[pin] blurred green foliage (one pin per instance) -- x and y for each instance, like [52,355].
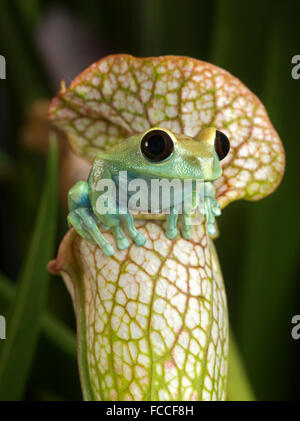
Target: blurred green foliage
[258,246]
[28,302]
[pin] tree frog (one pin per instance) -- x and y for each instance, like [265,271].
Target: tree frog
[156,155]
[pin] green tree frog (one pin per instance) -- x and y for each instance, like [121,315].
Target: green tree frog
[157,154]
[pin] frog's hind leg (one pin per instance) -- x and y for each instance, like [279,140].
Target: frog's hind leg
[76,221]
[78,196]
[84,223]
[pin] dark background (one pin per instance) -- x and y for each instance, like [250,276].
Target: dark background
[47,41]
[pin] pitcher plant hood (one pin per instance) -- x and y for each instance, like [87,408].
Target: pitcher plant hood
[121,95]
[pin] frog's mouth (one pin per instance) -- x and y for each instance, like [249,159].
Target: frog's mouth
[148,176]
[193,168]
[136,174]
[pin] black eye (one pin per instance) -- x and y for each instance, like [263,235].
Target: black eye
[157,145]
[222,145]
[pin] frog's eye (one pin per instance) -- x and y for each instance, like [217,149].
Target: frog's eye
[157,145]
[222,145]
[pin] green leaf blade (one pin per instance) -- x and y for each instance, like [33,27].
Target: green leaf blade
[24,318]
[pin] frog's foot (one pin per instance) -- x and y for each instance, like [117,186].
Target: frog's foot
[103,226]
[211,228]
[211,208]
[138,237]
[108,250]
[86,226]
[216,208]
[186,228]
[121,240]
[171,228]
[172,233]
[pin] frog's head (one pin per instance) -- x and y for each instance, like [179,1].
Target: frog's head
[160,153]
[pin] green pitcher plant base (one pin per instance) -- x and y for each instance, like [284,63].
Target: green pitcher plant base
[151,307]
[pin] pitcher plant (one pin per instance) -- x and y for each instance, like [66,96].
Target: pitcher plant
[150,304]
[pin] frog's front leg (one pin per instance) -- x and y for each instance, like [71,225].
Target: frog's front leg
[171,226]
[128,223]
[113,222]
[111,216]
[82,218]
[184,222]
[185,225]
[211,207]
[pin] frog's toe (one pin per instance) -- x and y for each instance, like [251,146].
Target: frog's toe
[187,233]
[211,229]
[123,243]
[171,233]
[108,250]
[216,209]
[140,239]
[104,227]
